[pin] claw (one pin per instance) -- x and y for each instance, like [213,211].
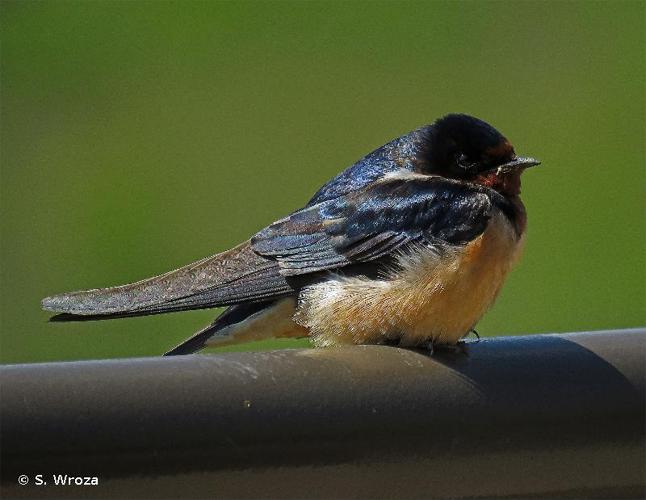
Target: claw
[459,348]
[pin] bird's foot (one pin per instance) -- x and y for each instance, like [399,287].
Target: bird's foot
[457,349]
[477,335]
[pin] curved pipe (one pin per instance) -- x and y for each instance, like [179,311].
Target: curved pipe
[536,415]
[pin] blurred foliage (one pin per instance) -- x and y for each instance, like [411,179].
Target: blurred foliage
[140,136]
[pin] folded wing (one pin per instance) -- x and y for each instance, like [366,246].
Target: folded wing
[375,221]
[355,228]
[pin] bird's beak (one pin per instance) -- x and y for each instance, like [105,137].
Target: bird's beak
[519,162]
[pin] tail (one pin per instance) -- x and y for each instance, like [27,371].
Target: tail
[247,323]
[235,276]
[230,316]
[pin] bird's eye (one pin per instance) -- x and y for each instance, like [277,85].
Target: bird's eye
[463,161]
[466,166]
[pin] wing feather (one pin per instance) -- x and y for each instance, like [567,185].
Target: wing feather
[375,221]
[237,275]
[344,232]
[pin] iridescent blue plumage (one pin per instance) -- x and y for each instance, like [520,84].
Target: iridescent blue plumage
[376,220]
[400,153]
[455,146]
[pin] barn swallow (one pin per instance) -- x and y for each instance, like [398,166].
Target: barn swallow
[410,245]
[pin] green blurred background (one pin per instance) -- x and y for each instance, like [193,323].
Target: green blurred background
[140,136]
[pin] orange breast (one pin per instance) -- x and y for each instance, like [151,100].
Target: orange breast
[428,298]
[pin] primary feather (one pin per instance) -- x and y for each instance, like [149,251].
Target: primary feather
[237,275]
[358,227]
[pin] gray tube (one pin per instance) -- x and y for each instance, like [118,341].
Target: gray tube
[513,416]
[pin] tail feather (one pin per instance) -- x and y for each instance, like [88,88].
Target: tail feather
[230,316]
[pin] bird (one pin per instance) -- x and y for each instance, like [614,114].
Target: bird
[409,246]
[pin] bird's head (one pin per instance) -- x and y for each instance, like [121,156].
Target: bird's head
[466,148]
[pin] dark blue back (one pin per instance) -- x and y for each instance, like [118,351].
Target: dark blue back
[397,154]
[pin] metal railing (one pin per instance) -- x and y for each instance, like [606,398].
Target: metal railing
[539,415]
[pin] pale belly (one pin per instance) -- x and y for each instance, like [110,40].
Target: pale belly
[427,299]
[431,298]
